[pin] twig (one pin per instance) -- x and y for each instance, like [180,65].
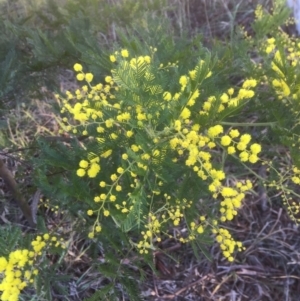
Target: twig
[9,180]
[34,204]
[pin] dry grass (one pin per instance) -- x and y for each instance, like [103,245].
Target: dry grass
[267,270]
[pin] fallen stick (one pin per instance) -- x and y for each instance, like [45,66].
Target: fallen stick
[12,186]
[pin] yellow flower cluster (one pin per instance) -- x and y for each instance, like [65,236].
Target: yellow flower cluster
[241,145]
[270,45]
[134,62]
[227,244]
[134,129]
[201,69]
[258,12]
[191,141]
[152,230]
[232,200]
[82,111]
[91,168]
[196,228]
[281,87]
[227,99]
[124,207]
[81,76]
[280,83]
[172,212]
[290,200]
[18,269]
[114,193]
[296,177]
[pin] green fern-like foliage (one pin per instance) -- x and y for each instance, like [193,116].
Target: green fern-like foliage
[141,87]
[10,237]
[161,181]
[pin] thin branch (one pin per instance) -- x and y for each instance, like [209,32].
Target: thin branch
[9,180]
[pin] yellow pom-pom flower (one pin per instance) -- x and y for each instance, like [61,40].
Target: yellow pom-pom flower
[225,140]
[112,58]
[89,77]
[124,53]
[93,170]
[114,177]
[255,148]
[80,172]
[244,156]
[124,156]
[245,138]
[77,67]
[234,133]
[253,158]
[98,228]
[83,164]
[112,198]
[129,134]
[167,96]
[80,77]
[186,113]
